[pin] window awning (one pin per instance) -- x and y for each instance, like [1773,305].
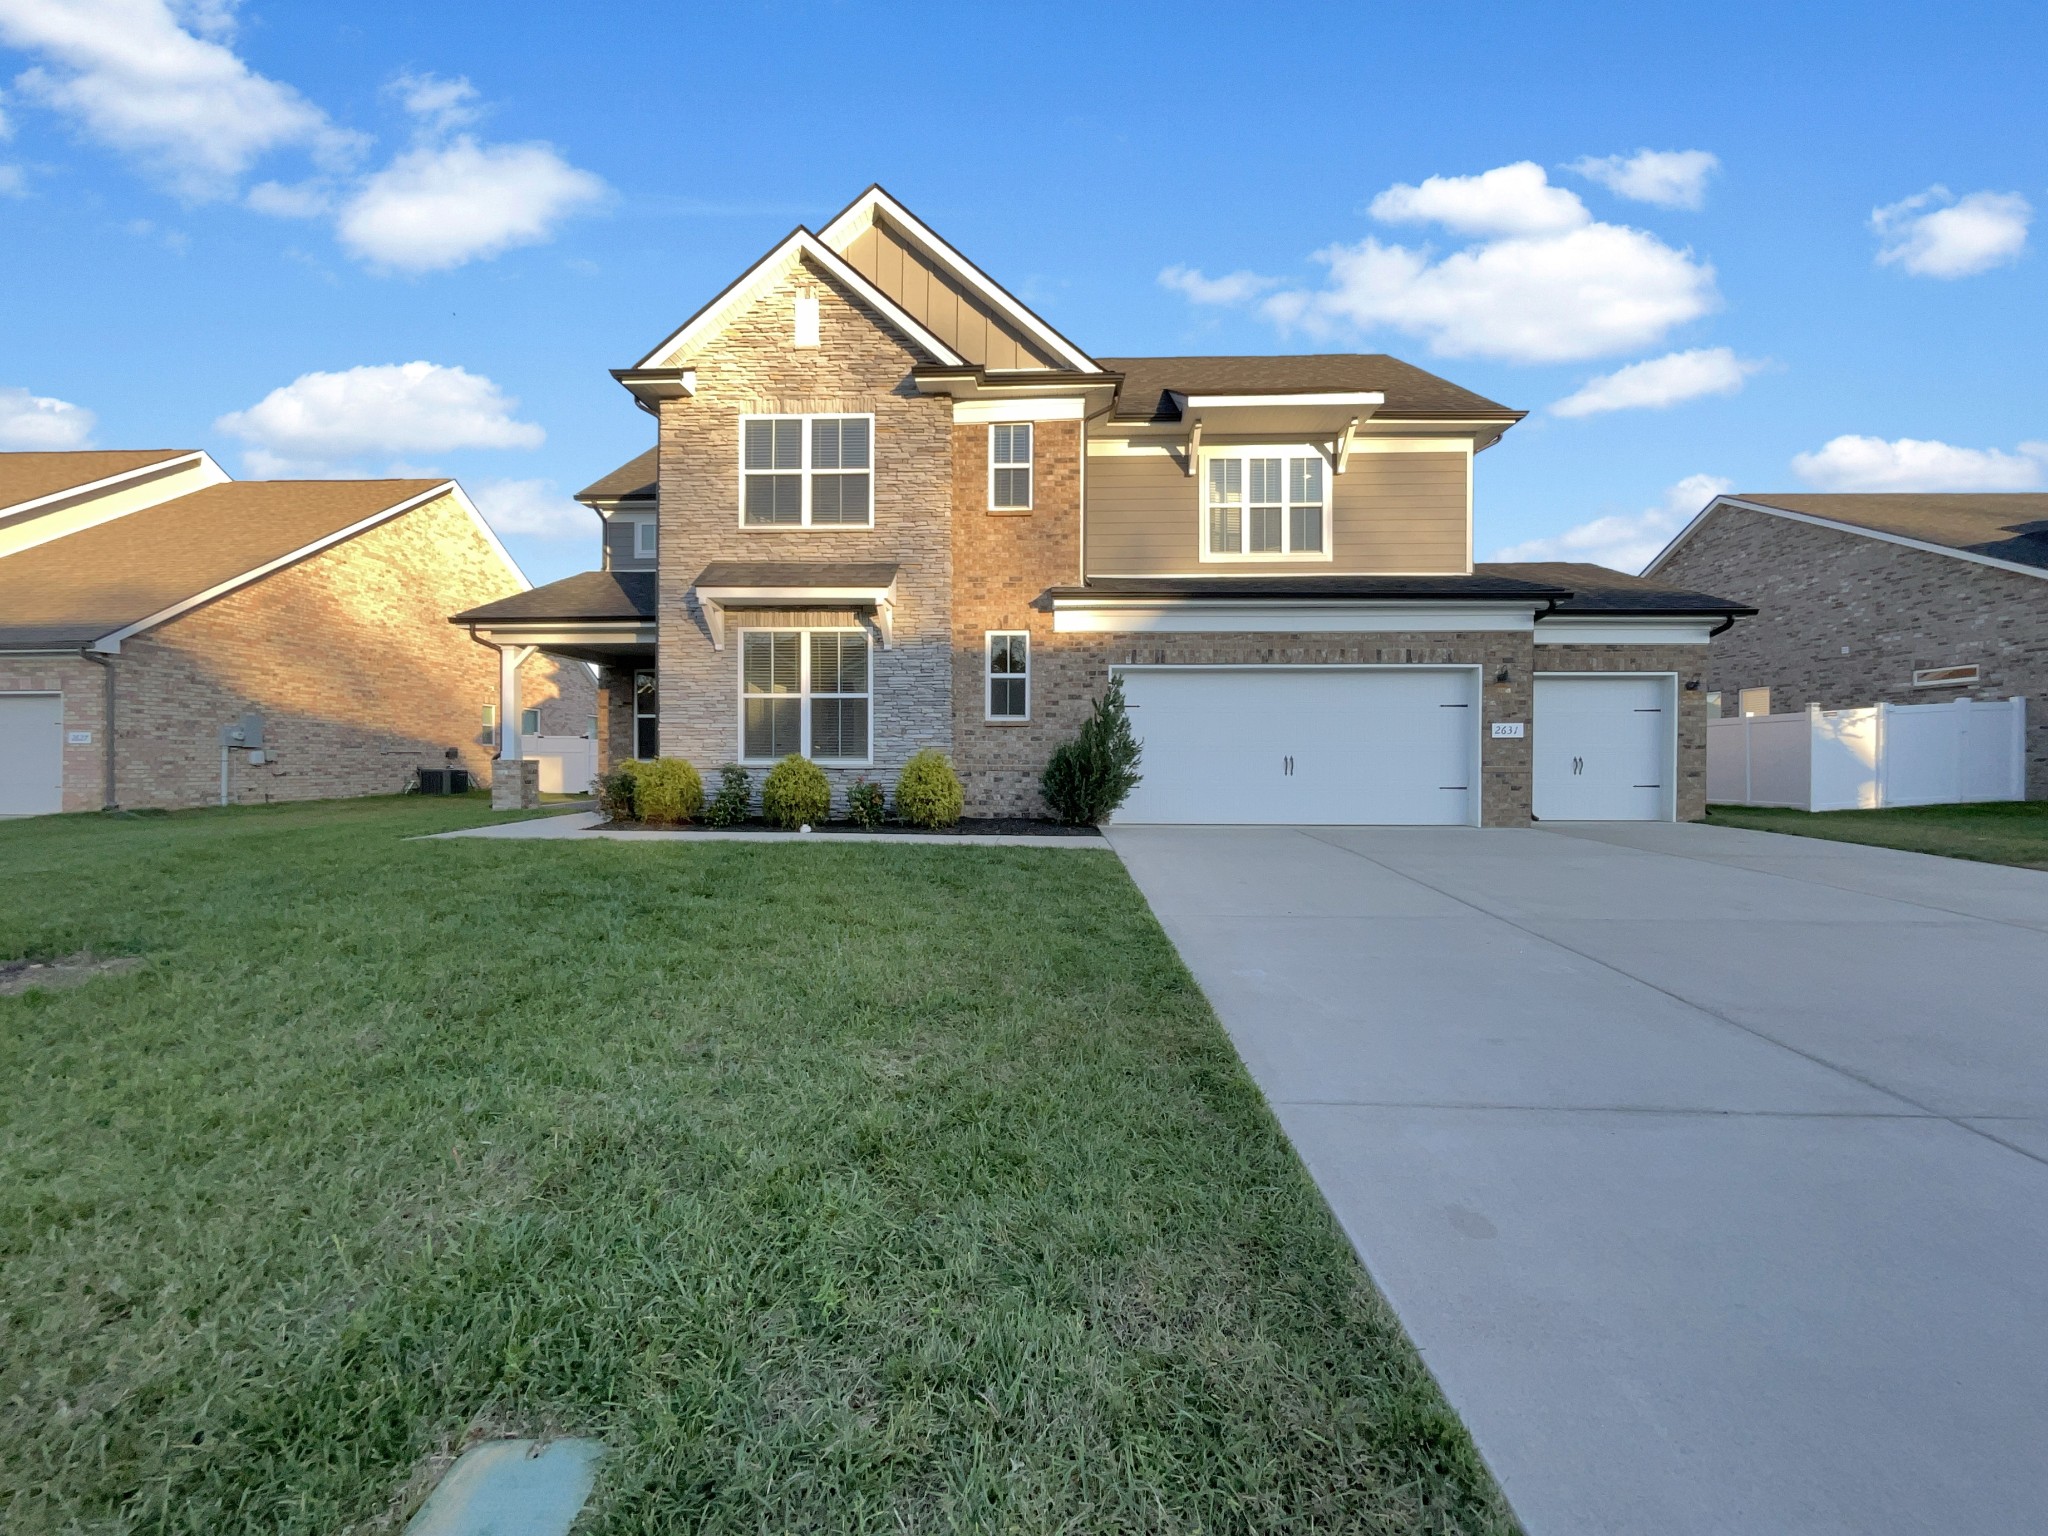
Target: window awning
[725,585]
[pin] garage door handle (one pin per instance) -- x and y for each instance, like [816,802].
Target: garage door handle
[1578,765]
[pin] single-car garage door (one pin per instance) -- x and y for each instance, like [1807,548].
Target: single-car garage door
[31,754]
[1309,746]
[1604,748]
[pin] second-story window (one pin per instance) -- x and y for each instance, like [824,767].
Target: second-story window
[1265,504]
[807,471]
[1009,467]
[643,538]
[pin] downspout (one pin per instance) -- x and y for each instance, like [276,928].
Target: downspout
[1723,627]
[108,800]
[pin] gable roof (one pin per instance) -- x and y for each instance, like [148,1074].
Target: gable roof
[103,583]
[1410,392]
[27,477]
[876,210]
[587,596]
[2006,526]
[633,480]
[1596,589]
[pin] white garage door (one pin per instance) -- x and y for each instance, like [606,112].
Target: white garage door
[1305,746]
[1603,749]
[31,754]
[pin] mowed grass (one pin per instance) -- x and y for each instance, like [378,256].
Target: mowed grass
[2006,832]
[836,1188]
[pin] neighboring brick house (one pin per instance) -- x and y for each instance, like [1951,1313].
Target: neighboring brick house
[147,601]
[888,507]
[1891,598]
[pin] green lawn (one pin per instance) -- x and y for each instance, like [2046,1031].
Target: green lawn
[2008,832]
[837,1188]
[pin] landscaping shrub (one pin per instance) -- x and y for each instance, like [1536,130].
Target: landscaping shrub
[795,793]
[615,791]
[928,793]
[734,799]
[866,804]
[667,792]
[1087,778]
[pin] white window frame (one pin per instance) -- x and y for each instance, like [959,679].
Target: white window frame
[1960,674]
[1285,452]
[804,524]
[524,716]
[989,675]
[1029,466]
[490,725]
[646,542]
[803,694]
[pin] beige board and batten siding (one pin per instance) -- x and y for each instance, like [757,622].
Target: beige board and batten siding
[1393,513]
[939,302]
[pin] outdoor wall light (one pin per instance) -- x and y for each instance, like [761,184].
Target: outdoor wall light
[1501,676]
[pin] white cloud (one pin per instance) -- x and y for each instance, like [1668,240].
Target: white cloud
[301,200]
[184,105]
[440,205]
[1852,463]
[1953,237]
[1670,178]
[38,423]
[1231,288]
[442,104]
[1626,541]
[1513,199]
[13,182]
[324,420]
[534,508]
[1659,382]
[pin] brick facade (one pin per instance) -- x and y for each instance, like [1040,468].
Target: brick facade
[1895,609]
[348,656]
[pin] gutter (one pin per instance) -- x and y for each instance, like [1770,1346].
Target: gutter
[108,800]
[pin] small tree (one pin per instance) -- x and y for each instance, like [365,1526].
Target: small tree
[1089,777]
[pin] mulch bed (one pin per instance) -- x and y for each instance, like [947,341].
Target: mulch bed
[975,826]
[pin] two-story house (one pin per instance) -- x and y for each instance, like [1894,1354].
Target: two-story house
[889,507]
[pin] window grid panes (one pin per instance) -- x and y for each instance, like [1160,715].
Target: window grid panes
[1265,505]
[1009,676]
[1009,457]
[804,691]
[807,471]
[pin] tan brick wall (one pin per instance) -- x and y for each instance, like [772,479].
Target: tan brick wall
[1895,609]
[862,364]
[348,656]
[84,690]
[1689,663]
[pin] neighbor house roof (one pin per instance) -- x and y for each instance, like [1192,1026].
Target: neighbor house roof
[631,481]
[116,576]
[32,476]
[1481,585]
[2009,526]
[1596,589]
[1409,391]
[589,596]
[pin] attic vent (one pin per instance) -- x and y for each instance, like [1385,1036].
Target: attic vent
[1945,677]
[806,320]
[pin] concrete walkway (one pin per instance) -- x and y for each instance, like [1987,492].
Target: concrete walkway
[586,825]
[1707,1168]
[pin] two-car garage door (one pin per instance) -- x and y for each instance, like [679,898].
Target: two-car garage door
[1304,746]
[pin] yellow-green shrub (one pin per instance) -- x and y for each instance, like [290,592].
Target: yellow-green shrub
[928,792]
[667,791]
[795,792]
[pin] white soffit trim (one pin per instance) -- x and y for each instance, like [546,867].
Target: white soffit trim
[1620,630]
[1827,522]
[800,243]
[846,228]
[1068,408]
[111,643]
[1360,398]
[76,508]
[1097,616]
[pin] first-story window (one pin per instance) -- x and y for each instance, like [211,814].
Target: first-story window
[646,717]
[529,722]
[1265,504]
[806,471]
[490,725]
[1009,675]
[1009,466]
[804,691]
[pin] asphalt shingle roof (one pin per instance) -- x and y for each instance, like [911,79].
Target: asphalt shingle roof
[1409,390]
[2010,525]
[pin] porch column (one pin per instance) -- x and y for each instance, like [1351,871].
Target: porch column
[510,659]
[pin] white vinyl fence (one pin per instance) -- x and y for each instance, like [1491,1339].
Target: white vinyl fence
[1865,759]
[567,763]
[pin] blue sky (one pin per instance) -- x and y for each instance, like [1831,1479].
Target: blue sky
[1827,265]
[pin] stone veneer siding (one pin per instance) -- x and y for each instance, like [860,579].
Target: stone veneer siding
[348,656]
[1689,663]
[752,366]
[1896,609]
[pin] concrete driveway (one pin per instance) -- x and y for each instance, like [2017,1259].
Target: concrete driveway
[1708,1169]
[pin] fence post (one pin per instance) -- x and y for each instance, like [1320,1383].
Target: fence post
[2017,724]
[1880,751]
[1748,797]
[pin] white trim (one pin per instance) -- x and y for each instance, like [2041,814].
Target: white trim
[1624,630]
[170,463]
[1287,453]
[800,243]
[1371,397]
[1952,676]
[847,227]
[548,634]
[644,523]
[1827,522]
[988,676]
[111,643]
[1670,736]
[45,519]
[1027,408]
[804,471]
[803,695]
[1029,466]
[1364,616]
[716,601]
